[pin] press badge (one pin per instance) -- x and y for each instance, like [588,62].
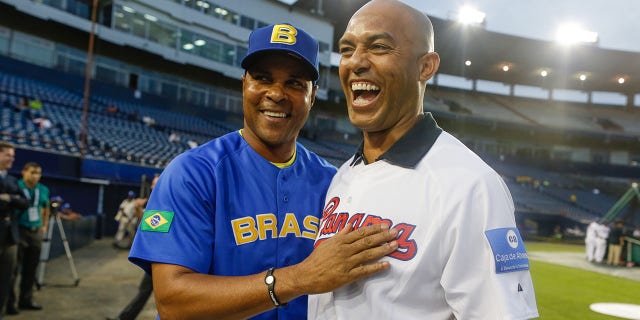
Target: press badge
[34,215]
[508,250]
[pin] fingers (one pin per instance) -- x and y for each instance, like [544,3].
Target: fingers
[367,255]
[372,234]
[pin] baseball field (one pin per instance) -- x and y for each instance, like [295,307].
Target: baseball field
[564,292]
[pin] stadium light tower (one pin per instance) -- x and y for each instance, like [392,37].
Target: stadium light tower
[572,33]
[468,15]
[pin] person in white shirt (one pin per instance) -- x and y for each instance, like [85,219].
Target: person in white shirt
[460,255]
[590,240]
[127,220]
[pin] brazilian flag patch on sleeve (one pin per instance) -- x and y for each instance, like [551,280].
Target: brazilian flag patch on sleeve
[156,221]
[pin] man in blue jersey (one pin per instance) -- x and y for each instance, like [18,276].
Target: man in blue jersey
[229,229]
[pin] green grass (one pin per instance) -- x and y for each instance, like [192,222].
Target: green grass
[566,293]
[553,247]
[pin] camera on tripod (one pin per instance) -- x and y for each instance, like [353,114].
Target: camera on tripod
[55,203]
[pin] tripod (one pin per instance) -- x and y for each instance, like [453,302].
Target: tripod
[46,247]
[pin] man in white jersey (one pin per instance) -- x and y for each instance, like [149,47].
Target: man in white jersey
[460,255]
[590,240]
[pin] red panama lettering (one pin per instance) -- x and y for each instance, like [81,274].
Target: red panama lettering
[371,220]
[407,248]
[334,222]
[331,206]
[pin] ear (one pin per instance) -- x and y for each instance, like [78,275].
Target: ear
[429,63]
[313,95]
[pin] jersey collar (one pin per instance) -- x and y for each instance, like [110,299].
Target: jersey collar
[411,147]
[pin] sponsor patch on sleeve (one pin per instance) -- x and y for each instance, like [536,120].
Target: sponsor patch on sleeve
[508,250]
[156,221]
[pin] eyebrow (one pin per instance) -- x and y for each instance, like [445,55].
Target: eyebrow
[297,76]
[369,39]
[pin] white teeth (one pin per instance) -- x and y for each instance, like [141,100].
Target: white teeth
[364,86]
[275,114]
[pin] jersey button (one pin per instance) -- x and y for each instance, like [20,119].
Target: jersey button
[285,198]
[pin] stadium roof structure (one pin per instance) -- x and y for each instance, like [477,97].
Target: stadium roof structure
[490,51]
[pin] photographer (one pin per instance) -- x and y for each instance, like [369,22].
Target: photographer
[32,224]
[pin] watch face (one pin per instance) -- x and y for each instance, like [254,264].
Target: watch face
[268,280]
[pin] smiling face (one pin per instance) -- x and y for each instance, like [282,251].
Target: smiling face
[277,97]
[385,64]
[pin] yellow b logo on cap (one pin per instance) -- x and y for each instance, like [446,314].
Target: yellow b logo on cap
[283,33]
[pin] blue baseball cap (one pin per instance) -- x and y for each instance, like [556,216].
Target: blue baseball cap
[286,38]
[131,194]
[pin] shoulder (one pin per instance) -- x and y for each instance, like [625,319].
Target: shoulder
[43,188]
[314,161]
[209,154]
[450,157]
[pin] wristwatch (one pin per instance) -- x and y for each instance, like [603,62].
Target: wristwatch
[270,281]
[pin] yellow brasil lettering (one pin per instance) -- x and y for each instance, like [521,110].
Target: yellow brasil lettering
[263,226]
[283,33]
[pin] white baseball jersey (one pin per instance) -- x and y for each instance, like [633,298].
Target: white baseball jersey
[460,255]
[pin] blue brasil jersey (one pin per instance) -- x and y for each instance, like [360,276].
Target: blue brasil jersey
[223,209]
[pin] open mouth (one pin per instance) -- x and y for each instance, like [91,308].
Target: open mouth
[274,114]
[364,92]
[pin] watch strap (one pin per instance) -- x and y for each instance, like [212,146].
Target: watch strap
[270,281]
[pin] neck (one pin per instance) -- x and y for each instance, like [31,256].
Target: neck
[273,153]
[30,185]
[379,142]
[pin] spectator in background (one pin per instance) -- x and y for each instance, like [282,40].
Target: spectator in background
[602,233]
[22,104]
[33,224]
[590,240]
[192,143]
[174,137]
[67,213]
[127,221]
[35,103]
[148,120]
[636,232]
[43,122]
[616,240]
[133,308]
[12,201]
[112,109]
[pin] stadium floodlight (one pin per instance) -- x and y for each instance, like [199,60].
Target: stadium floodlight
[288,2]
[621,80]
[582,77]
[467,63]
[199,42]
[505,68]
[188,46]
[221,11]
[203,4]
[571,33]
[544,73]
[469,15]
[150,17]
[128,9]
